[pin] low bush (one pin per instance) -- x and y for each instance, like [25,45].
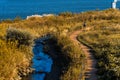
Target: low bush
[66,14]
[22,37]
[72,60]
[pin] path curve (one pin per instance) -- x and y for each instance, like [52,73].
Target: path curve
[90,70]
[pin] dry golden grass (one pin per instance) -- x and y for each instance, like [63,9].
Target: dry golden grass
[12,58]
[105,41]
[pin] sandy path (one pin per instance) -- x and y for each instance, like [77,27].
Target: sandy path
[90,72]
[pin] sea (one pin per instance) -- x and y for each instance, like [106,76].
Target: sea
[9,9]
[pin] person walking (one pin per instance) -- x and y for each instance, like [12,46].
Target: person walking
[84,24]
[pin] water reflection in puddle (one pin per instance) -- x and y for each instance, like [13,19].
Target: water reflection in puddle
[42,63]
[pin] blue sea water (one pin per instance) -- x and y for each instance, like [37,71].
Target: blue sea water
[12,8]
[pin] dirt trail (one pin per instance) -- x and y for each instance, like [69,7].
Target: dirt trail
[90,72]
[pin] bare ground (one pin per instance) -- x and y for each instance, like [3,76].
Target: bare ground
[90,70]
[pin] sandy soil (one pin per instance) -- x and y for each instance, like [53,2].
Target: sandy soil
[90,72]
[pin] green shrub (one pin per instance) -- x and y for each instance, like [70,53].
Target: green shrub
[66,14]
[17,19]
[7,21]
[22,37]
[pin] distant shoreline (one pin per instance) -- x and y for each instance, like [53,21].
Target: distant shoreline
[24,16]
[45,15]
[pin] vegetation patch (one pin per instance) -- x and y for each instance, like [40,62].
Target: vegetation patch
[22,37]
[103,37]
[71,58]
[107,49]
